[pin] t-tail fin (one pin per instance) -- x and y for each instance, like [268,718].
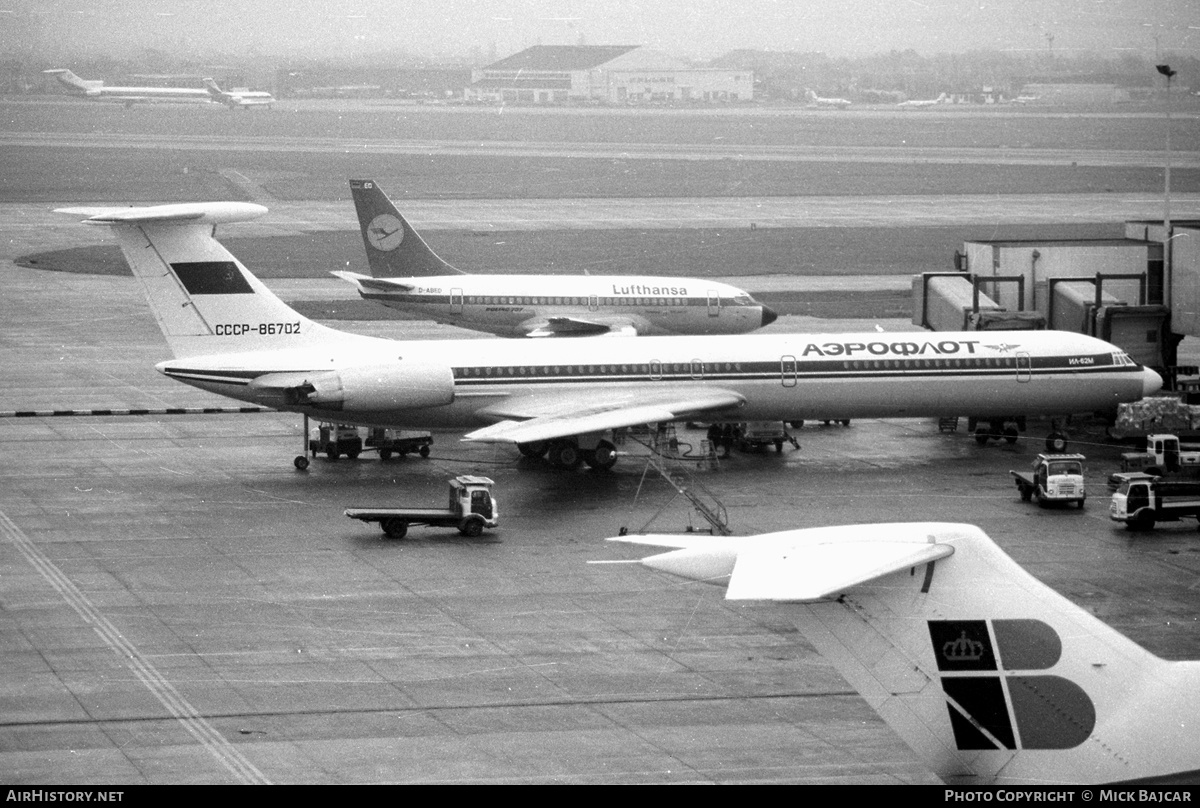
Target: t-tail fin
[990,676]
[215,91]
[205,301]
[69,79]
[394,250]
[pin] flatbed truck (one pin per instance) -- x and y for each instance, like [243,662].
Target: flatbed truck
[472,508]
[1053,478]
[1142,502]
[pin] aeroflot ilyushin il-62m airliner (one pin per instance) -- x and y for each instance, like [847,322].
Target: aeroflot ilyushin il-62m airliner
[232,336]
[990,676]
[410,277]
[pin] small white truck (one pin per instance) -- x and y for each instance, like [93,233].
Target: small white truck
[471,509]
[1053,478]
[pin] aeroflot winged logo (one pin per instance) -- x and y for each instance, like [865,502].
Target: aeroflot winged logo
[993,701]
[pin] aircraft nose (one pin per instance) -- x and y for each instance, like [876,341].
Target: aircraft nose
[768,315]
[1151,382]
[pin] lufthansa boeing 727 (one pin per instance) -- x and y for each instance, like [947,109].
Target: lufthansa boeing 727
[232,336]
[409,277]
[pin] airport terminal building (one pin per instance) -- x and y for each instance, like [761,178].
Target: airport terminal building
[604,74]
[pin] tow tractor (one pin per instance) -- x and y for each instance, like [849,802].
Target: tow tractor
[472,508]
[335,440]
[1053,478]
[398,442]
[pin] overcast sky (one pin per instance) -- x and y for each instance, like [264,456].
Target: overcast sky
[700,28]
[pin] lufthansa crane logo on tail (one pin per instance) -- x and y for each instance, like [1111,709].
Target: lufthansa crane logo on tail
[385,232]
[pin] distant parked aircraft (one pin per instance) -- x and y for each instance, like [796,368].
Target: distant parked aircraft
[815,100]
[923,103]
[96,89]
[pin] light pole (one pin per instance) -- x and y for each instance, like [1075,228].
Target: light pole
[1168,72]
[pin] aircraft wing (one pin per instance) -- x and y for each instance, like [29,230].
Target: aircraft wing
[366,283]
[578,327]
[545,416]
[804,565]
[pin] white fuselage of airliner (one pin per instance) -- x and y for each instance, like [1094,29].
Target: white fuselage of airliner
[520,305]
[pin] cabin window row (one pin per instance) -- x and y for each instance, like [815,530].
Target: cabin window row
[976,362]
[482,300]
[697,368]
[651,369]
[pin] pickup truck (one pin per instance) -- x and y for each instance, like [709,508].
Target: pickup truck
[1140,502]
[471,509]
[1053,478]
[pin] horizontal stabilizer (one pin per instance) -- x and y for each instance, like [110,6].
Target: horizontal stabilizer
[185,213]
[667,539]
[817,572]
[367,283]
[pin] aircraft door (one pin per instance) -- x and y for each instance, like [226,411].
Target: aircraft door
[456,301]
[714,303]
[787,371]
[1024,367]
[593,303]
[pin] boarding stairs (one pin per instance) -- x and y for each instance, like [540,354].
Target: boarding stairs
[665,458]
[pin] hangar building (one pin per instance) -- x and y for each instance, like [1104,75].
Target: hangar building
[603,74]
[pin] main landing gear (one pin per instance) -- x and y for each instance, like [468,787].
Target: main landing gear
[566,453]
[1010,429]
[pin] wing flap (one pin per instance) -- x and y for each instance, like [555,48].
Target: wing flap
[821,571]
[552,415]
